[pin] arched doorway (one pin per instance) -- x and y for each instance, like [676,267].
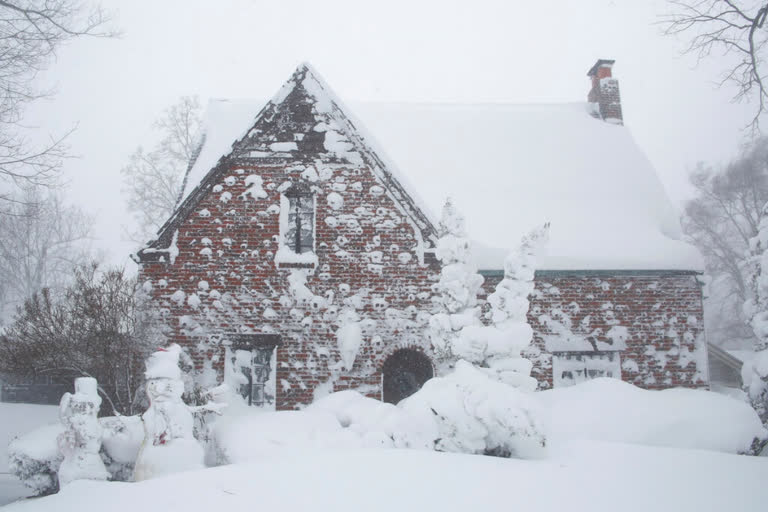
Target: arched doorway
[405,372]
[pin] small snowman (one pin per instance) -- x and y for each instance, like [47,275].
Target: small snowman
[81,440]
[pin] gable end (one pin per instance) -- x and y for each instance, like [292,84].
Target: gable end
[304,124]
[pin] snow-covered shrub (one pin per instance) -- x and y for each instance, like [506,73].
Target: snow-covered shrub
[755,373]
[340,420]
[377,423]
[121,439]
[473,413]
[34,459]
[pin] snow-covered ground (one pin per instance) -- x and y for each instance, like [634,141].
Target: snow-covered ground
[17,419]
[610,446]
[605,410]
[581,476]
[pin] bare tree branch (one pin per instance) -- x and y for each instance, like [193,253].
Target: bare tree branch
[732,27]
[31,31]
[721,220]
[153,180]
[99,326]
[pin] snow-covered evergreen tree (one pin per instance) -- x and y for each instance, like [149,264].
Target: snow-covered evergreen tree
[169,442]
[456,331]
[482,404]
[508,314]
[456,292]
[755,372]
[80,442]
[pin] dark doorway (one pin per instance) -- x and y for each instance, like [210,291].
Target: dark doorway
[405,372]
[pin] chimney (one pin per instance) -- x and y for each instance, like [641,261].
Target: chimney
[604,95]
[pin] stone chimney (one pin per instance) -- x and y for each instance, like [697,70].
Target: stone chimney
[604,95]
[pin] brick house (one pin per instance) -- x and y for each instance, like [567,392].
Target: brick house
[292,223]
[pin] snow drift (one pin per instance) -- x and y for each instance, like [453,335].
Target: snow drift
[611,410]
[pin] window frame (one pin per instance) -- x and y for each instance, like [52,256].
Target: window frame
[294,196]
[561,359]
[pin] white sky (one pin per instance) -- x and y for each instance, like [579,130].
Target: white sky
[478,51]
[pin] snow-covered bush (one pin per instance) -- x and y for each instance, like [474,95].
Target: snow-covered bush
[121,439]
[34,459]
[473,413]
[341,420]
[378,424]
[80,441]
[755,372]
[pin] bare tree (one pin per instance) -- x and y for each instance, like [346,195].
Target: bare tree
[98,327]
[721,220]
[30,33]
[728,27]
[154,180]
[41,241]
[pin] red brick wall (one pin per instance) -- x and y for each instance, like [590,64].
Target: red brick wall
[229,242]
[244,283]
[662,313]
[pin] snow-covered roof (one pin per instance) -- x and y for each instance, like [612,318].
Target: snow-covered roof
[510,168]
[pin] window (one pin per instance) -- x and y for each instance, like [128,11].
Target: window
[299,234]
[251,366]
[257,367]
[569,368]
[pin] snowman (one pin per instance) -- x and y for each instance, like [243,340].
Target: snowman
[80,442]
[169,444]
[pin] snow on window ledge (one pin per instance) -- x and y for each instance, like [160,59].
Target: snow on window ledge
[570,368]
[286,258]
